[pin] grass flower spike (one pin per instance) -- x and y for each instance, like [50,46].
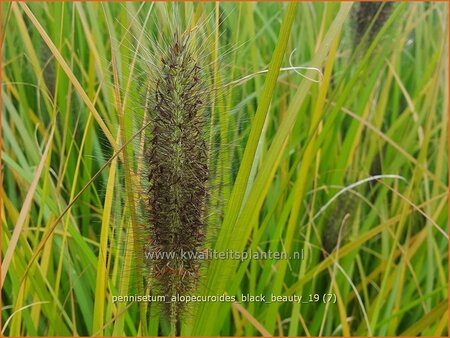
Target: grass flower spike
[177,171]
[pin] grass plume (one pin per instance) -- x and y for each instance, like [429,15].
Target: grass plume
[369,17]
[339,221]
[177,171]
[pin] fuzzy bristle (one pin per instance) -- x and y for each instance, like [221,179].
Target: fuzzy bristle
[177,172]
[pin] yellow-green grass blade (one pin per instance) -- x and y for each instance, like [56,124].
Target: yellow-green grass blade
[303,174]
[102,271]
[69,73]
[203,325]
[439,311]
